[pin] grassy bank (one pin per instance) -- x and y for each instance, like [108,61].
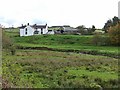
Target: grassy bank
[66,43]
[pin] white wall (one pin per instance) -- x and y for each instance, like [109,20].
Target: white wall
[45,30]
[51,32]
[30,31]
[21,32]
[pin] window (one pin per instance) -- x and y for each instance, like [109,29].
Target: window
[26,31]
[41,30]
[49,30]
[36,32]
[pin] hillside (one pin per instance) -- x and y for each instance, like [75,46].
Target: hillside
[63,42]
[59,61]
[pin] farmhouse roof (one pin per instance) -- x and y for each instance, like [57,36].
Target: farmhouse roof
[56,26]
[22,27]
[33,26]
[39,26]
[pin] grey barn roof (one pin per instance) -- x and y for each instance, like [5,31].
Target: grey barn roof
[69,29]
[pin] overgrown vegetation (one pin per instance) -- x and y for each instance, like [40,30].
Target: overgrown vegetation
[72,67]
[8,44]
[51,69]
[111,23]
[75,43]
[100,40]
[114,34]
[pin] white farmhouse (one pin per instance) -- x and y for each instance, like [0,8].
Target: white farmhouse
[29,30]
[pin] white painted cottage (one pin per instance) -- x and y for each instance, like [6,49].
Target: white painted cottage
[29,30]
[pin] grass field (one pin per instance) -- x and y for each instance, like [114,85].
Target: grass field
[67,42]
[31,67]
[45,69]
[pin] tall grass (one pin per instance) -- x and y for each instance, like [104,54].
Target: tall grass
[36,68]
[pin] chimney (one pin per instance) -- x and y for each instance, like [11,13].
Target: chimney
[28,24]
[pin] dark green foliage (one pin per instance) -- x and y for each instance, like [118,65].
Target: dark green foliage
[113,82]
[115,20]
[93,28]
[110,23]
[107,25]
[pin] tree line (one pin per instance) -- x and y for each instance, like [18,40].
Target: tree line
[111,23]
[112,36]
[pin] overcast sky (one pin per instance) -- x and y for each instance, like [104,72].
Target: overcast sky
[57,12]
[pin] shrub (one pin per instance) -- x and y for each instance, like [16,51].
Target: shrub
[98,80]
[94,85]
[114,34]
[96,39]
[113,82]
[8,43]
[100,40]
[12,50]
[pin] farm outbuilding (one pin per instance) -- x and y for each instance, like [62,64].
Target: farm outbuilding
[64,30]
[70,30]
[99,32]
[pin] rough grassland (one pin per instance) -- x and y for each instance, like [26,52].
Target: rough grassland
[43,69]
[52,69]
[66,42]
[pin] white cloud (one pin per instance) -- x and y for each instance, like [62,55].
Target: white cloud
[58,12]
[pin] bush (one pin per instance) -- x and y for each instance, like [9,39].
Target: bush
[94,85]
[113,82]
[8,43]
[100,40]
[114,34]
